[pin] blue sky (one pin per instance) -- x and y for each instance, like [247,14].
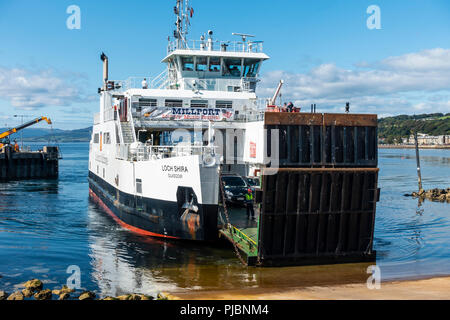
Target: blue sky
[322,49]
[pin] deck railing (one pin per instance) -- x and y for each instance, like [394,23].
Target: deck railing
[223,46]
[146,153]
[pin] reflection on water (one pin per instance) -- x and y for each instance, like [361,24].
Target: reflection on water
[123,262]
[47,226]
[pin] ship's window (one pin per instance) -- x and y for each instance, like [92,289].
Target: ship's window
[214,64]
[251,67]
[224,104]
[187,63]
[148,102]
[202,63]
[174,103]
[139,186]
[199,104]
[107,138]
[232,67]
[96,138]
[234,89]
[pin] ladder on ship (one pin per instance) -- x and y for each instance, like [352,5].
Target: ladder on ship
[127,132]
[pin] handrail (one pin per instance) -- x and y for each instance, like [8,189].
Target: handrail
[159,81]
[215,45]
[146,153]
[243,234]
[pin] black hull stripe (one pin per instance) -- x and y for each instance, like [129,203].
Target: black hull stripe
[157,216]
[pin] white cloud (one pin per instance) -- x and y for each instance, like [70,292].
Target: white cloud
[415,82]
[30,90]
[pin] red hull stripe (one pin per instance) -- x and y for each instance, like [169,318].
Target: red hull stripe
[123,224]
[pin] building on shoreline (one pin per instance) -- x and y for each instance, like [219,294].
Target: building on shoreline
[424,139]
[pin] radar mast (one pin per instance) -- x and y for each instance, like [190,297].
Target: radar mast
[184,13]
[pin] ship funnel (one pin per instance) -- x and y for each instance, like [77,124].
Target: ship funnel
[104,58]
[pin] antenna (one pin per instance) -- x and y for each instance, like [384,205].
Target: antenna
[184,13]
[243,35]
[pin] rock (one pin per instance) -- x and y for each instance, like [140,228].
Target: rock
[110,299]
[135,297]
[124,297]
[88,295]
[66,289]
[64,296]
[442,197]
[145,297]
[3,295]
[162,296]
[56,292]
[34,285]
[16,296]
[44,295]
[27,293]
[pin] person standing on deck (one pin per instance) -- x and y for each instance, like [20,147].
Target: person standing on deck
[290,107]
[249,203]
[16,146]
[144,84]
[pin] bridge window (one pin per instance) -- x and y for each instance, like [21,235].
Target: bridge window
[232,67]
[251,67]
[202,64]
[174,103]
[224,104]
[96,138]
[187,63]
[199,104]
[214,64]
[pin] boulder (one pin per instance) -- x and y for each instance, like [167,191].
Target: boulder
[88,295]
[135,297]
[66,289]
[110,299]
[3,295]
[124,297]
[64,296]
[44,295]
[34,285]
[145,297]
[162,296]
[27,293]
[16,296]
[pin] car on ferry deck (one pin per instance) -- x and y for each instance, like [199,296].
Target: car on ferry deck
[235,188]
[253,183]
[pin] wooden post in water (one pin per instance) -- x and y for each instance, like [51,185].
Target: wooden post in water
[419,175]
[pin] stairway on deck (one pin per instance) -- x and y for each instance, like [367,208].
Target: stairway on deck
[127,132]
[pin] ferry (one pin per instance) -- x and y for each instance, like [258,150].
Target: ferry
[159,145]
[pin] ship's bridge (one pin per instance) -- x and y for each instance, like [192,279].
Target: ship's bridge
[214,66]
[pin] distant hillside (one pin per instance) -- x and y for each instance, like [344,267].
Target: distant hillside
[44,135]
[394,128]
[33,132]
